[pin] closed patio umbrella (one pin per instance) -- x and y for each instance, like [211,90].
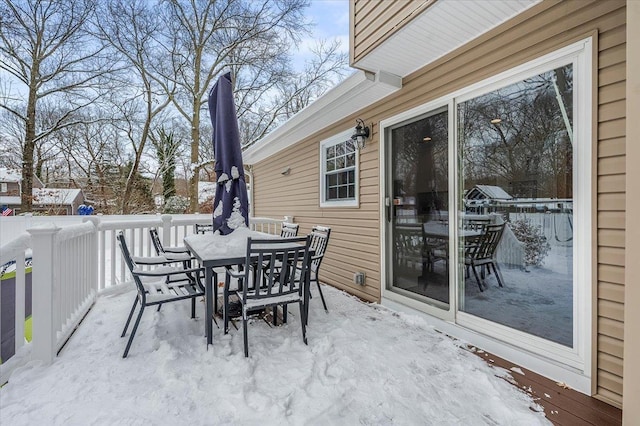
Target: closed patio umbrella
[230,205]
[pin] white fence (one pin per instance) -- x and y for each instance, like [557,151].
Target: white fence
[72,264]
[556,227]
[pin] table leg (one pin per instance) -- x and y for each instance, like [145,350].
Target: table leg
[208,283]
[307,291]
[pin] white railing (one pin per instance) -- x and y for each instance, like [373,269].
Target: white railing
[171,230]
[75,263]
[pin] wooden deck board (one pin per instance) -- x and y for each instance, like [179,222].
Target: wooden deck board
[562,405]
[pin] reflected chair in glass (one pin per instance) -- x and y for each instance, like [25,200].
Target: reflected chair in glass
[289,230]
[408,242]
[162,284]
[482,253]
[261,285]
[435,245]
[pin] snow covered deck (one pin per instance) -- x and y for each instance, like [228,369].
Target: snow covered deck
[364,365]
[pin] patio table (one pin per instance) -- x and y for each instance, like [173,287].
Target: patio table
[216,251]
[441,231]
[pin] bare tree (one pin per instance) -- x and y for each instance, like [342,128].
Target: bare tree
[262,108]
[131,30]
[162,60]
[44,48]
[167,147]
[204,38]
[520,136]
[92,151]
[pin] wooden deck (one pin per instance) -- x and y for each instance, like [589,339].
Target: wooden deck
[562,405]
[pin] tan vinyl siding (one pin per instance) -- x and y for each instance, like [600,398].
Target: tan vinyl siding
[539,30]
[374,21]
[611,205]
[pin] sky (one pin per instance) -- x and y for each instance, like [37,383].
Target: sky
[330,20]
[364,364]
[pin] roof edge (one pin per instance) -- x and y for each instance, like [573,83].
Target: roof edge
[324,111]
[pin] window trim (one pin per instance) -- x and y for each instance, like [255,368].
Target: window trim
[334,140]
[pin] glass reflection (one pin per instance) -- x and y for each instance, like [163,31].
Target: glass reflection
[516,173]
[420,229]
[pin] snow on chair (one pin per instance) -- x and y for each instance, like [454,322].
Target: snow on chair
[162,284]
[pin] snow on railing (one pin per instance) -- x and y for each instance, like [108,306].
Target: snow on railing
[72,264]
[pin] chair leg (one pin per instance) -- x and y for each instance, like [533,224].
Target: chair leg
[133,332]
[475,273]
[498,272]
[225,303]
[303,321]
[284,313]
[133,308]
[159,306]
[274,313]
[215,293]
[193,307]
[244,332]
[322,296]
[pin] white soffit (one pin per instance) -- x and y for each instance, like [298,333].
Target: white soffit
[440,29]
[354,93]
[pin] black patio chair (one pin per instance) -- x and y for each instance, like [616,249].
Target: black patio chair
[202,229]
[482,253]
[319,241]
[178,253]
[162,284]
[289,230]
[261,285]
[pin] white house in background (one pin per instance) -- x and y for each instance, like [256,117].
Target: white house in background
[483,192]
[62,201]
[478,198]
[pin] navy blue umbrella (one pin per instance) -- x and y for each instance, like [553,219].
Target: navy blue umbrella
[230,206]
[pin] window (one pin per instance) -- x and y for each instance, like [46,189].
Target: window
[516,152]
[3,187]
[339,171]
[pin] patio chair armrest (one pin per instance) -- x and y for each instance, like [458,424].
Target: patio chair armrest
[178,257]
[151,260]
[166,273]
[233,273]
[176,250]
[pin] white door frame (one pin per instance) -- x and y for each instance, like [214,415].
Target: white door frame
[571,365]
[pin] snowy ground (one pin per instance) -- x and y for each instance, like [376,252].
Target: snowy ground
[538,301]
[364,365]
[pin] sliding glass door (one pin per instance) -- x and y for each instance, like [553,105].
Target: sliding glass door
[488,213]
[418,206]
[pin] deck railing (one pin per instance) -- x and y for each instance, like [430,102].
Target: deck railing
[73,264]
